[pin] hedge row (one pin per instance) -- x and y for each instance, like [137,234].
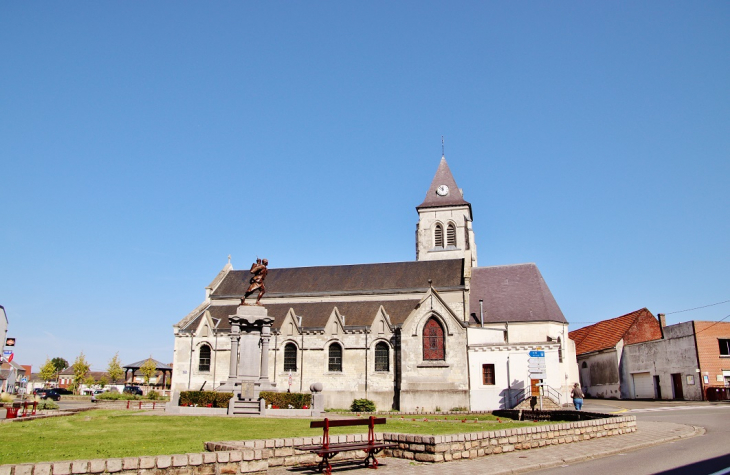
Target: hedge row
[205,398]
[284,400]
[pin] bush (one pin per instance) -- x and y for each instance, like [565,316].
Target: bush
[362,405]
[205,398]
[459,409]
[5,397]
[46,404]
[153,395]
[284,400]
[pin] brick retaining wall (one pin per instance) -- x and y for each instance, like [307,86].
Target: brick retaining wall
[256,456]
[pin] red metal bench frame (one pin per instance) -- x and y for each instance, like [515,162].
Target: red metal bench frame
[327,450]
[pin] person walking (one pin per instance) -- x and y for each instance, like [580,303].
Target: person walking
[577,396]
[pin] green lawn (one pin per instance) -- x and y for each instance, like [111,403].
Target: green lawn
[104,433]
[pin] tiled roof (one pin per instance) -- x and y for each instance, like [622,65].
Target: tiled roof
[359,278]
[316,314]
[514,293]
[159,365]
[606,334]
[443,177]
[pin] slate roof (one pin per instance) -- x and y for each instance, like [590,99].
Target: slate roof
[359,278]
[316,314]
[606,334]
[443,177]
[512,293]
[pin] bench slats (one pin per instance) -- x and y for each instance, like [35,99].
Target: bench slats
[347,422]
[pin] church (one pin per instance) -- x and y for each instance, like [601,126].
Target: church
[436,333]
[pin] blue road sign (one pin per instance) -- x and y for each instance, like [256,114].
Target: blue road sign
[537,354]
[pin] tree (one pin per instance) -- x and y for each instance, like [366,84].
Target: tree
[60,364]
[80,367]
[48,370]
[103,381]
[114,369]
[89,381]
[148,370]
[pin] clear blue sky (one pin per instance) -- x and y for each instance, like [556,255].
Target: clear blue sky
[143,142]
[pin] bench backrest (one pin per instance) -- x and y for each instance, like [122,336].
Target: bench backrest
[346,422]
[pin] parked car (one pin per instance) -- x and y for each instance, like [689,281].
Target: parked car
[133,390]
[63,391]
[49,394]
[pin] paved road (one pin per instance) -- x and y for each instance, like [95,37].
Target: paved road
[706,454]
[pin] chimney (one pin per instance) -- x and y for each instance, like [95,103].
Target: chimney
[662,322]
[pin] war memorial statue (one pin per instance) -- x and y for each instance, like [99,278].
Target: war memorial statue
[259,271]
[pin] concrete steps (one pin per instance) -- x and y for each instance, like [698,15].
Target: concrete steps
[246,407]
[547,404]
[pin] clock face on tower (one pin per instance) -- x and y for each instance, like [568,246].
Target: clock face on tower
[442,190]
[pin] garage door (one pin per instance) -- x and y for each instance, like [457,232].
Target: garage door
[643,386]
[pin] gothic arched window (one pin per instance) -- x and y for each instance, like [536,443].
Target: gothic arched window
[204,358]
[438,236]
[382,357]
[290,357]
[451,235]
[433,340]
[335,358]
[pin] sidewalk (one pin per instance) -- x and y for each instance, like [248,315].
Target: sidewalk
[647,435]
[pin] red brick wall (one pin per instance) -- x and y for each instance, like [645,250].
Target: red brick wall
[711,363]
[646,328]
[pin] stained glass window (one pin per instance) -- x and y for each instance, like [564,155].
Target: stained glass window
[433,340]
[204,358]
[382,357]
[335,357]
[290,357]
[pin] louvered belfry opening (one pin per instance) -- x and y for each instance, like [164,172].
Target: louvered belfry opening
[438,236]
[433,340]
[451,235]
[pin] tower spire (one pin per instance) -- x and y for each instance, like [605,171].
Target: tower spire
[442,147]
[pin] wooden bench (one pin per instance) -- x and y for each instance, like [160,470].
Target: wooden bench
[326,450]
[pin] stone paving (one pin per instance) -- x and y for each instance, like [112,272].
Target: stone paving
[647,434]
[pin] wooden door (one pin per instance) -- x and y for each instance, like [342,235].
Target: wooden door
[677,384]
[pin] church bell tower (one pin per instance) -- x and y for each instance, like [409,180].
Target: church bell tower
[444,229]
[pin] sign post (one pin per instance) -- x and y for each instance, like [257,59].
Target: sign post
[538,369]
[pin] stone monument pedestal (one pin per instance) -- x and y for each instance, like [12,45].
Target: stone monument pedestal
[249,364]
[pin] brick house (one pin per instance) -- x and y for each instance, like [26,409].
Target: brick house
[713,349]
[601,356]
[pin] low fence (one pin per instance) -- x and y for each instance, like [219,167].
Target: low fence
[130,404]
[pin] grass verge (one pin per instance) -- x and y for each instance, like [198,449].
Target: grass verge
[106,433]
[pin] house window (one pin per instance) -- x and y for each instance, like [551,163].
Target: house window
[451,235]
[204,359]
[433,340]
[335,358]
[290,357]
[488,374]
[584,365]
[724,347]
[382,357]
[438,237]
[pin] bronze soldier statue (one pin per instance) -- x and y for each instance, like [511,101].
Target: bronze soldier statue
[259,271]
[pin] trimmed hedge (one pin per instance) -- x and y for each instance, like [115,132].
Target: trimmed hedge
[284,400]
[205,398]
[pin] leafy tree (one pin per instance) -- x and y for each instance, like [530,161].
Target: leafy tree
[89,381]
[81,368]
[114,369]
[103,381]
[48,370]
[60,364]
[148,370]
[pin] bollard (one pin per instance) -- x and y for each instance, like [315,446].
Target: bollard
[35,404]
[127,403]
